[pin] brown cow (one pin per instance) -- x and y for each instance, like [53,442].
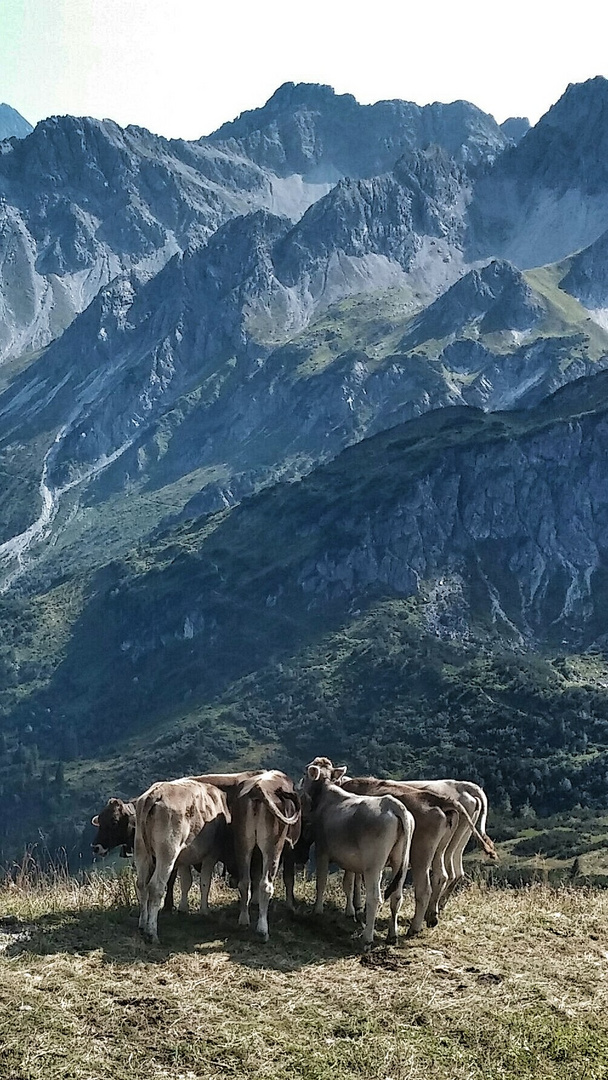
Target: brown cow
[266,815]
[473,799]
[294,850]
[361,833]
[179,822]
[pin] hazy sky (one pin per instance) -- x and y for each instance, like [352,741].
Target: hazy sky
[182,67]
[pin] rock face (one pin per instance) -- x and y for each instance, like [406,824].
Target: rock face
[12,124]
[518,518]
[586,278]
[308,129]
[546,197]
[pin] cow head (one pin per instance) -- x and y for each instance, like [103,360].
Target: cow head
[115,826]
[318,774]
[322,767]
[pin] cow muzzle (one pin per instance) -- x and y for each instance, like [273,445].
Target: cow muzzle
[99,851]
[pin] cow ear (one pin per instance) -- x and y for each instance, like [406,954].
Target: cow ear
[338,774]
[95,821]
[314,772]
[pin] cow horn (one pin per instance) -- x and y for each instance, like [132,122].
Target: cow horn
[95,821]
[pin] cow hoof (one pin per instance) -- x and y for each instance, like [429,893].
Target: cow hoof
[431,920]
[412,932]
[391,939]
[262,936]
[367,946]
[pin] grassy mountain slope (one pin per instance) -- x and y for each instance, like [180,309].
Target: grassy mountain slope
[305,621]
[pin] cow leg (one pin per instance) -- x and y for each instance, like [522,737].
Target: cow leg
[322,872]
[270,865]
[439,879]
[244,884]
[206,875]
[348,885]
[372,903]
[144,866]
[358,898]
[456,868]
[169,904]
[156,890]
[421,880]
[256,876]
[289,876]
[395,903]
[185,884]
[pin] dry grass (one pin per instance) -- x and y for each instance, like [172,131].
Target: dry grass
[512,984]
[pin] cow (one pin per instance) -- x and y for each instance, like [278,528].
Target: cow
[439,818]
[178,822]
[474,801]
[115,826]
[295,849]
[266,816]
[361,833]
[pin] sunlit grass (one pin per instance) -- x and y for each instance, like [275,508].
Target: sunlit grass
[512,984]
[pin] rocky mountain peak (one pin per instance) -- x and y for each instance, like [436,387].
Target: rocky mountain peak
[515,128]
[309,129]
[569,145]
[495,298]
[12,123]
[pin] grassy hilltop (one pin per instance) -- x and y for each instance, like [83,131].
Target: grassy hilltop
[512,984]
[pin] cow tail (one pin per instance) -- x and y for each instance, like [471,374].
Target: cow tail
[483,840]
[275,808]
[398,880]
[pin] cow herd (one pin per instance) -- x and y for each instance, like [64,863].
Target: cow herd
[254,821]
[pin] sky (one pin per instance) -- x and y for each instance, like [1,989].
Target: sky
[183,67]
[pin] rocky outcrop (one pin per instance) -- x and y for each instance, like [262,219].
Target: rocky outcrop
[515,128]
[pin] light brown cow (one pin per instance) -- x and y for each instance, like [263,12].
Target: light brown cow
[278,787]
[266,815]
[473,799]
[436,819]
[179,822]
[439,818]
[360,833]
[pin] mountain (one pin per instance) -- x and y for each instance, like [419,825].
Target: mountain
[309,129]
[13,124]
[302,438]
[546,197]
[390,602]
[83,200]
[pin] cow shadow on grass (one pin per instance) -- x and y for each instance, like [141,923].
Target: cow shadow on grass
[296,939]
